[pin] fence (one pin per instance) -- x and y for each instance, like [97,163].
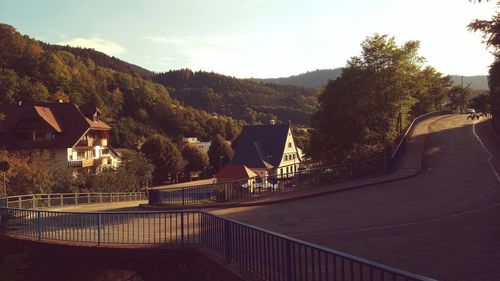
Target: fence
[258,186]
[268,185]
[33,201]
[267,255]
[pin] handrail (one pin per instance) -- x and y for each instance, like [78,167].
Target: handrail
[261,252]
[32,201]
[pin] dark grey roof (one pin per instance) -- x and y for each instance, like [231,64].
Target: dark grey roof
[261,146]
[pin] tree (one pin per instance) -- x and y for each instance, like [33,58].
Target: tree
[195,158]
[165,156]
[219,153]
[491,37]
[359,110]
[459,97]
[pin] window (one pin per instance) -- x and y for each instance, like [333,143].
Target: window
[289,144]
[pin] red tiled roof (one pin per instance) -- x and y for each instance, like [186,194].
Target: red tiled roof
[46,114]
[65,119]
[234,172]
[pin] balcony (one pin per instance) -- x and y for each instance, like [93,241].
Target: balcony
[81,163]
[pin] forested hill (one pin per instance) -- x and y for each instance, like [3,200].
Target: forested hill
[136,108]
[318,78]
[310,79]
[244,99]
[101,59]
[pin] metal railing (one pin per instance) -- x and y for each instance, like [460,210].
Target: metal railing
[265,254]
[32,201]
[269,185]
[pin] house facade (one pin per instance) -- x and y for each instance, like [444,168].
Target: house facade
[267,150]
[63,132]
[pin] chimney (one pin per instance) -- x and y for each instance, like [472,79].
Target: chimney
[272,121]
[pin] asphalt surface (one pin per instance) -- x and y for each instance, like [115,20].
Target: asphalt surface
[443,223]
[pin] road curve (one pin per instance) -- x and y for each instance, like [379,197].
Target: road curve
[442,223]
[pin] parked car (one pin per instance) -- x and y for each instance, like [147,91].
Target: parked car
[470,111]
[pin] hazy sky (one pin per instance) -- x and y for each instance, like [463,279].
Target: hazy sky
[255,38]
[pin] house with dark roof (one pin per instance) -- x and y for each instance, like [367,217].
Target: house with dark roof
[267,150]
[62,130]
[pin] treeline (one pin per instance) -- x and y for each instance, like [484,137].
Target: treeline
[136,108]
[245,99]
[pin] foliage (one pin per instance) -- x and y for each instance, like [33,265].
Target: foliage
[246,99]
[195,158]
[459,97]
[135,107]
[491,37]
[35,172]
[377,92]
[219,153]
[165,156]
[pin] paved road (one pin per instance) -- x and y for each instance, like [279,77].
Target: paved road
[443,223]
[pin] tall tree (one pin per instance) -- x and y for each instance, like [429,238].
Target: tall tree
[165,156]
[366,103]
[219,153]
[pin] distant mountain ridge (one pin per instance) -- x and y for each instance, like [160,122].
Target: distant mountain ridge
[319,77]
[310,79]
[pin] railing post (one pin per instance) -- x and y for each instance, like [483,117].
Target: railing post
[33,201]
[38,225]
[99,229]
[182,229]
[183,196]
[227,241]
[76,198]
[100,197]
[288,257]
[62,200]
[88,198]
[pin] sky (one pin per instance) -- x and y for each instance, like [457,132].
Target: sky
[255,38]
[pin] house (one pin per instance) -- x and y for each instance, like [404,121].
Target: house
[63,131]
[267,150]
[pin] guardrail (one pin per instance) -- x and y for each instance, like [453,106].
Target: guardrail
[32,201]
[402,144]
[269,185]
[265,254]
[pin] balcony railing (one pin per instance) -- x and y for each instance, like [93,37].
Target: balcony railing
[81,163]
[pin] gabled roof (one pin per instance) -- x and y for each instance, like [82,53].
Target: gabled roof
[261,146]
[65,119]
[234,172]
[47,116]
